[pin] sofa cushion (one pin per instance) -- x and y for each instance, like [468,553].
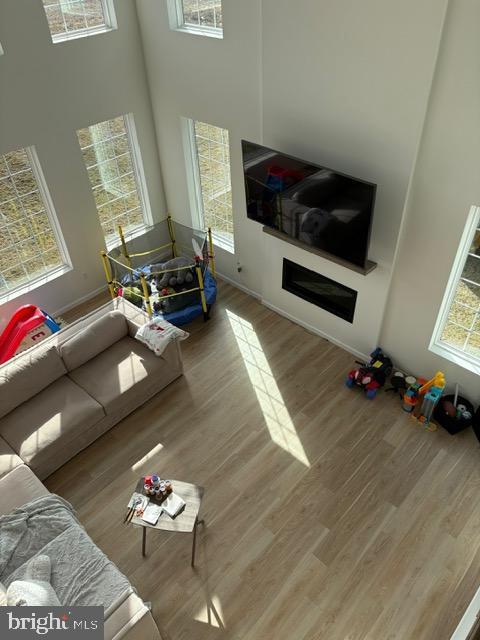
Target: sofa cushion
[119,375]
[8,458]
[51,424]
[27,375]
[94,339]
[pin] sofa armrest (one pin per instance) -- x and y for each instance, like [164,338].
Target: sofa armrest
[133,327]
[172,354]
[131,620]
[18,487]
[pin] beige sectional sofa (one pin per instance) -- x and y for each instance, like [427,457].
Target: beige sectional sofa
[127,617]
[58,397]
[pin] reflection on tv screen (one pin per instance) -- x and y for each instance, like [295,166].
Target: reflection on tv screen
[316,206]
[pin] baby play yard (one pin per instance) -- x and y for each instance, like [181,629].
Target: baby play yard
[168,271]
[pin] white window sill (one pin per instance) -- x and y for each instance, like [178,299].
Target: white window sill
[457,357]
[81,33]
[34,284]
[223,243]
[209,32]
[130,235]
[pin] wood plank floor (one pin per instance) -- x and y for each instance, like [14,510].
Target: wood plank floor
[327,516]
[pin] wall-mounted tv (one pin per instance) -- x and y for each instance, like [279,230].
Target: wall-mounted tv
[314,205]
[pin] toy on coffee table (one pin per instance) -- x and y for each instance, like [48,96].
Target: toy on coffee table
[372,375]
[156,488]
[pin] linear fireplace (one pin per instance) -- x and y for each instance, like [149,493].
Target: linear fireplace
[332,296]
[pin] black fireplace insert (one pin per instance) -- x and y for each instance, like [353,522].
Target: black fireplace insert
[332,296]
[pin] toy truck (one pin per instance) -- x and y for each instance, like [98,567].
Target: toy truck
[371,376]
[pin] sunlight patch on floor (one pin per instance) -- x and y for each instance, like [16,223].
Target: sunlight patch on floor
[212,614]
[153,452]
[277,418]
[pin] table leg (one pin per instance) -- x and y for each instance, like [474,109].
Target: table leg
[194,543]
[144,540]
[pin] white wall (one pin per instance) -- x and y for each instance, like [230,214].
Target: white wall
[48,91]
[343,83]
[211,80]
[343,88]
[446,184]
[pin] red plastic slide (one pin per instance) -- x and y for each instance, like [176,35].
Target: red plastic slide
[28,325]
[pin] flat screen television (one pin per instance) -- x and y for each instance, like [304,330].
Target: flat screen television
[315,205]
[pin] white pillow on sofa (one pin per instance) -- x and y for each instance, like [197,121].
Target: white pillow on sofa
[158,333]
[3,595]
[35,590]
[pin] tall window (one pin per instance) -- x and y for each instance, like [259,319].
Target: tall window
[30,241]
[110,152]
[69,19]
[197,16]
[457,334]
[211,182]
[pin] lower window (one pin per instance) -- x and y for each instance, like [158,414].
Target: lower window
[457,333]
[210,184]
[31,246]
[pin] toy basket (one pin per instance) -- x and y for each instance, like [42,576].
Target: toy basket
[453,425]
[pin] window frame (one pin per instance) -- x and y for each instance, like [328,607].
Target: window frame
[177,22]
[194,185]
[110,25]
[66,265]
[140,181]
[437,346]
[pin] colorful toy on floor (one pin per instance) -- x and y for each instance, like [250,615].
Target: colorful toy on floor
[411,397]
[371,376]
[28,326]
[429,392]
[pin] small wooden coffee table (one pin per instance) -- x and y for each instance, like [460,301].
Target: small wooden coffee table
[186,521]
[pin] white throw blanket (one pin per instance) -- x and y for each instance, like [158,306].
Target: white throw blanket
[158,333]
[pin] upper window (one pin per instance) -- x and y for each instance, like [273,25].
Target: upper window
[197,16]
[111,155]
[31,247]
[211,186]
[457,333]
[69,19]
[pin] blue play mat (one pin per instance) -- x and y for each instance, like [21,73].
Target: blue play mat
[192,311]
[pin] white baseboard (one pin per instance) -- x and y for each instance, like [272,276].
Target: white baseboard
[305,325]
[318,332]
[468,620]
[79,301]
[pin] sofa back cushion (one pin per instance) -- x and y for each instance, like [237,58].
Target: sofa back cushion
[94,339]
[27,375]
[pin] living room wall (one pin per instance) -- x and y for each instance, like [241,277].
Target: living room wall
[48,92]
[215,81]
[445,186]
[349,94]
[342,83]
